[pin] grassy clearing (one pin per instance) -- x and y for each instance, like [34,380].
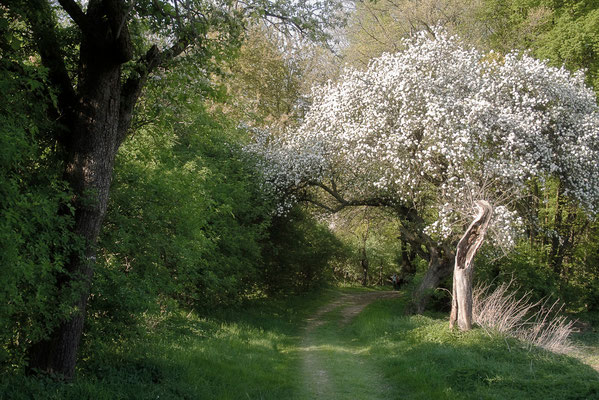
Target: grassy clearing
[423,359]
[249,354]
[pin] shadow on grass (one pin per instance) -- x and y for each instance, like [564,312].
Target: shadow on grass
[248,353]
[424,359]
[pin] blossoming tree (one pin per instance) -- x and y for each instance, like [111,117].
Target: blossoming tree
[430,133]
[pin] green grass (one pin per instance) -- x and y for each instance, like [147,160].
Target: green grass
[423,359]
[236,354]
[351,374]
[258,353]
[587,346]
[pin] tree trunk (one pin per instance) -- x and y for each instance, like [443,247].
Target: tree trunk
[439,268]
[96,116]
[461,304]
[91,146]
[364,263]
[439,256]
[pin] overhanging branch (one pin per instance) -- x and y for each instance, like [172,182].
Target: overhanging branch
[153,59]
[76,13]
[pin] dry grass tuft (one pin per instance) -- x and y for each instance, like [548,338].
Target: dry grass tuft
[536,323]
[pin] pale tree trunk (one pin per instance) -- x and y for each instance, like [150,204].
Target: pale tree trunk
[461,304]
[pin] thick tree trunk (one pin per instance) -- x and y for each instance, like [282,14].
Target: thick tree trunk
[440,257]
[96,115]
[461,304]
[94,140]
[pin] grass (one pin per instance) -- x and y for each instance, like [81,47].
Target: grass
[587,342]
[236,354]
[259,353]
[349,371]
[423,359]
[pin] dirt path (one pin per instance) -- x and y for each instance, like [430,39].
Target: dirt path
[331,368]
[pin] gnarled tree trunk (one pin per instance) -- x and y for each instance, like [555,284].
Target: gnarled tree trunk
[461,304]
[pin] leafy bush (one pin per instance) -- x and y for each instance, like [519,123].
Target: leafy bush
[185,221]
[34,217]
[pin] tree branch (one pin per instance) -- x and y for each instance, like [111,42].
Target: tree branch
[132,88]
[40,17]
[76,13]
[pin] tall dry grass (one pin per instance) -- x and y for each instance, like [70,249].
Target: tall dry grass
[535,323]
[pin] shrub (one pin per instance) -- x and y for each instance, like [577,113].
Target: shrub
[536,323]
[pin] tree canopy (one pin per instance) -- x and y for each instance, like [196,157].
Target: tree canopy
[432,128]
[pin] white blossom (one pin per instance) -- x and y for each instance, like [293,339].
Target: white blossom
[443,125]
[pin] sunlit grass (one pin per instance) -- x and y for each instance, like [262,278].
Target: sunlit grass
[424,359]
[251,353]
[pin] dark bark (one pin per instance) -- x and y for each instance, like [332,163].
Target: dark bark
[96,116]
[461,304]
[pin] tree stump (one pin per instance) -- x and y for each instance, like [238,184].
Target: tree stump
[461,303]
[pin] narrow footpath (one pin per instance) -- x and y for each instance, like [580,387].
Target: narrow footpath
[333,365]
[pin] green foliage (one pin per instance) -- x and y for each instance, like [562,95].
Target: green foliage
[525,266]
[563,32]
[370,237]
[529,270]
[299,252]
[269,82]
[557,258]
[34,219]
[185,219]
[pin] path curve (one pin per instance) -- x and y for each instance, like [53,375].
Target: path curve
[318,380]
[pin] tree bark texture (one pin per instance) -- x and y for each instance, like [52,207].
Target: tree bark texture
[440,262]
[461,304]
[96,116]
